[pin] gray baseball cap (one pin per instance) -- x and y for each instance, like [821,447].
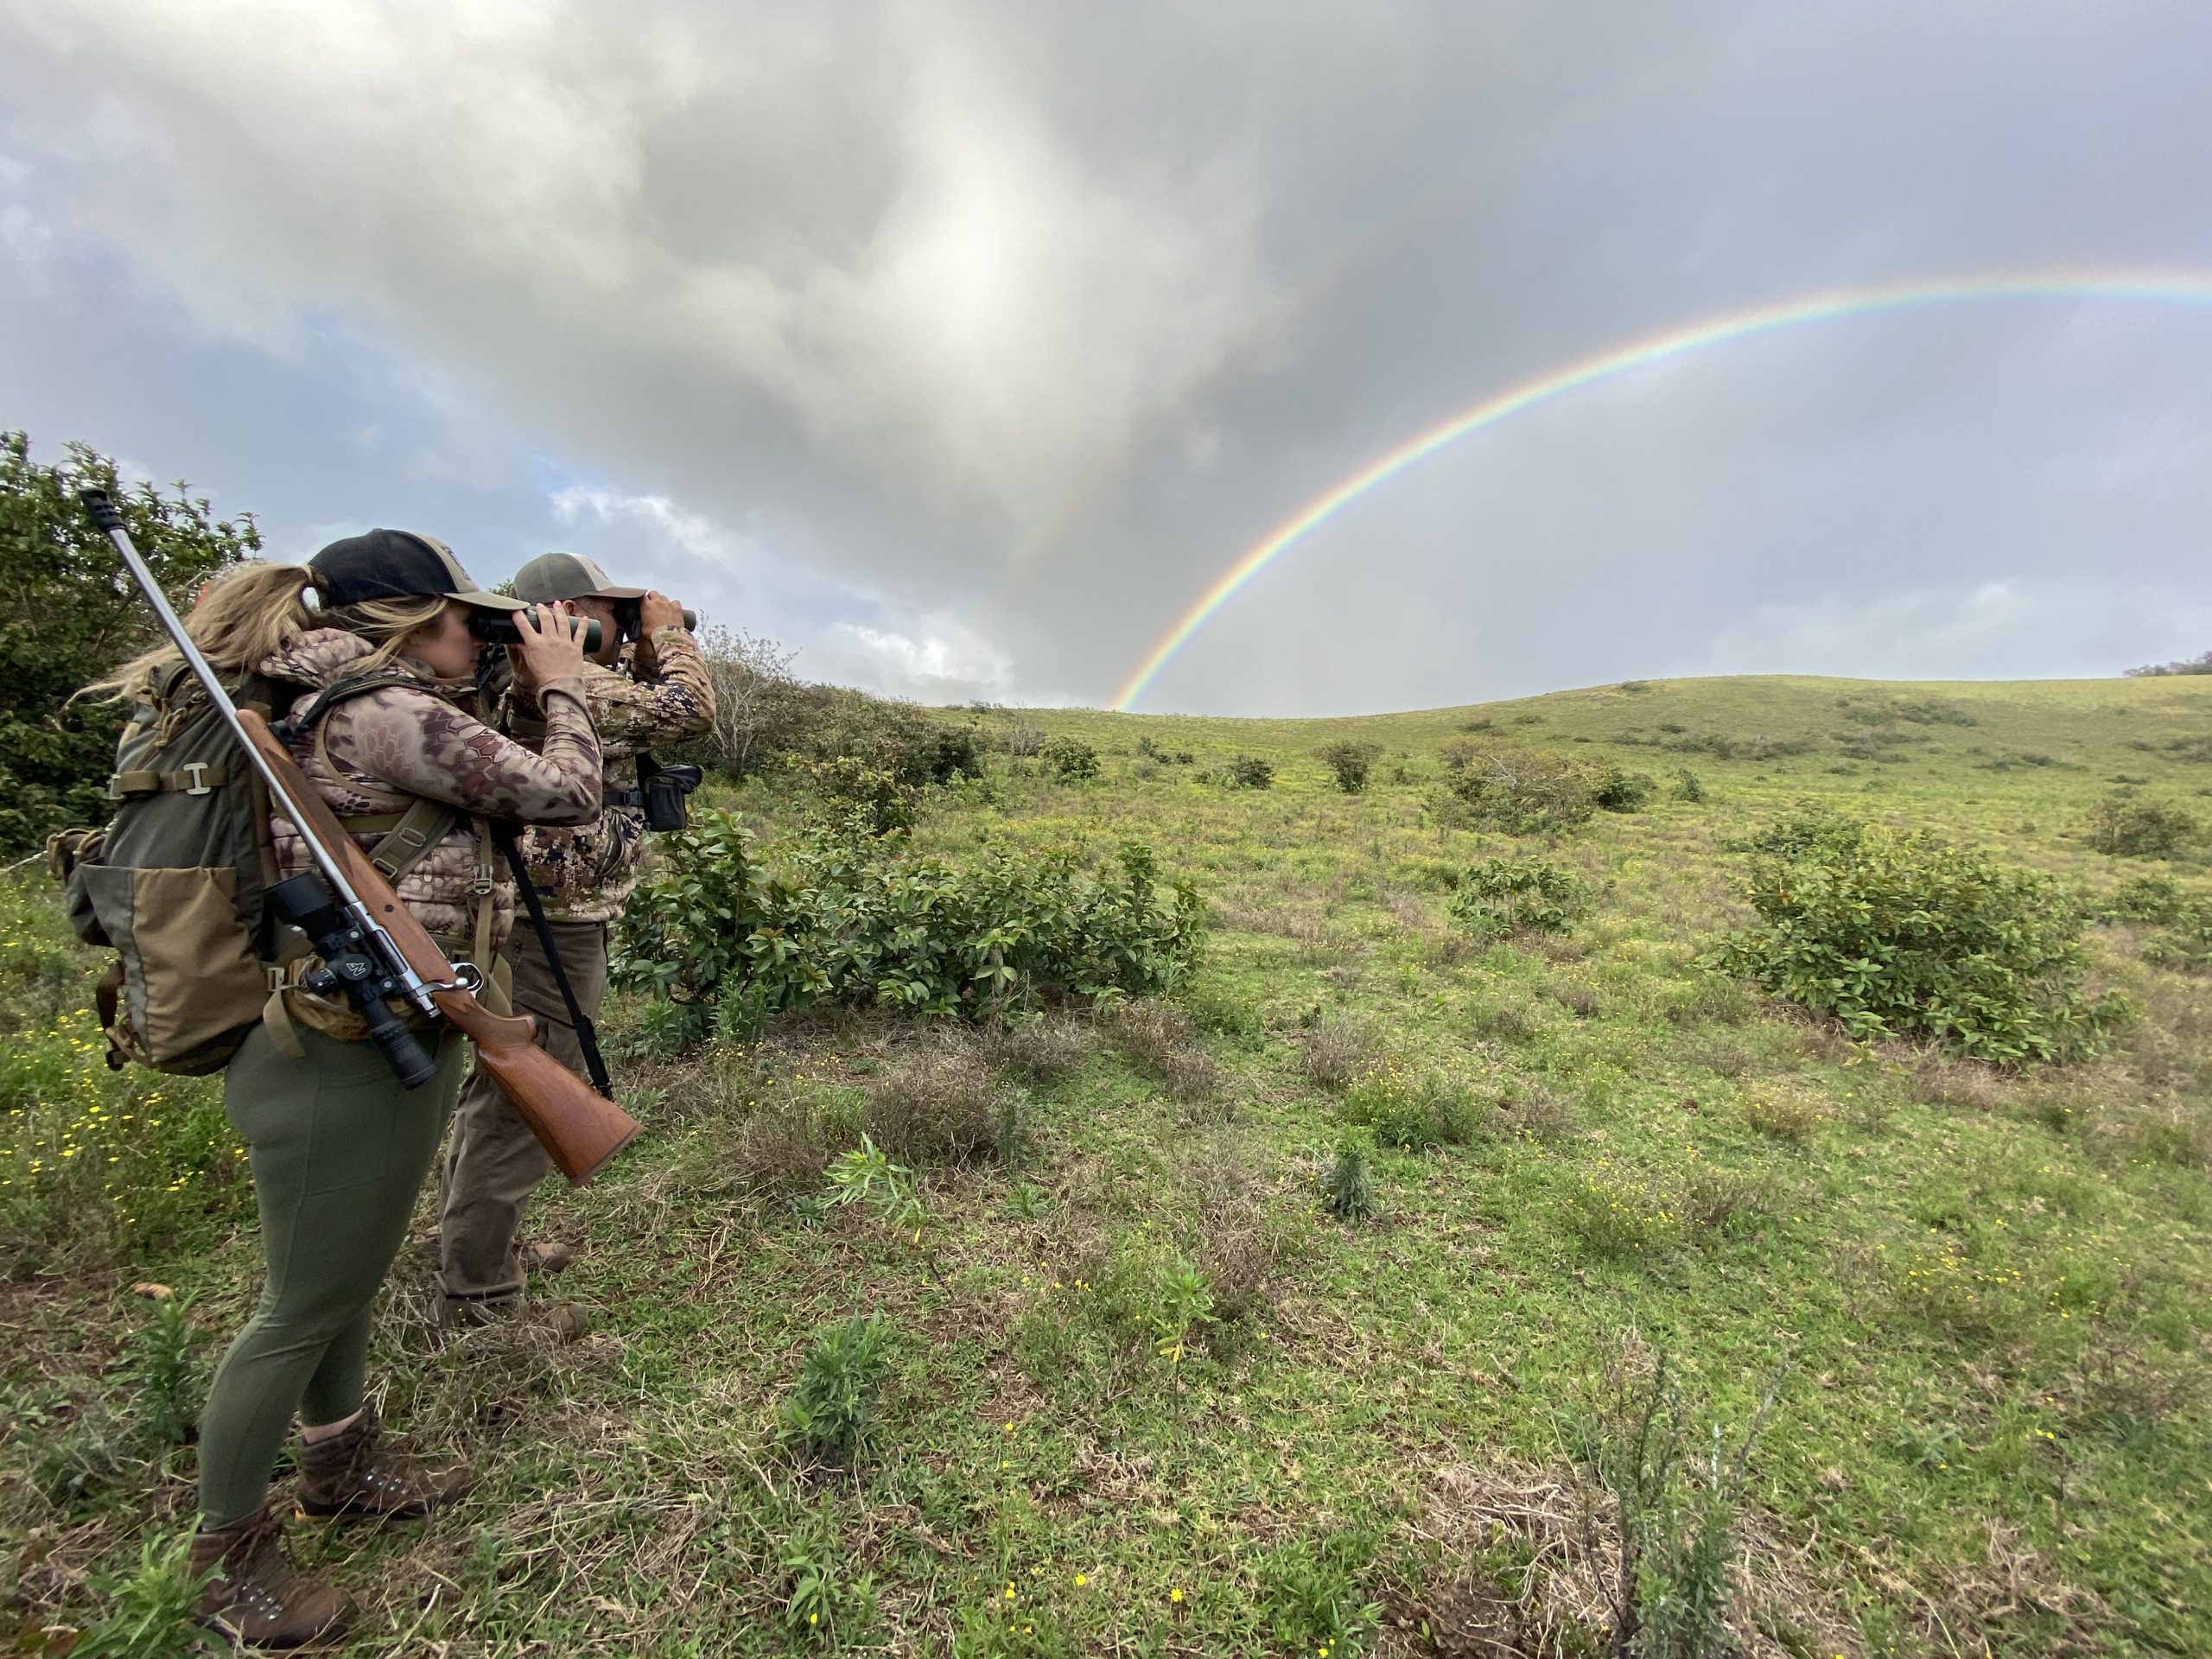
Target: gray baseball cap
[553,576]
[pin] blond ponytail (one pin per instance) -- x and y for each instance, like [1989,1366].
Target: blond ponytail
[243,617]
[253,611]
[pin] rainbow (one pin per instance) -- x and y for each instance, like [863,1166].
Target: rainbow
[1825,305]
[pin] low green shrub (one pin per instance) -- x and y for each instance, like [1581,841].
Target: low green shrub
[1524,790]
[1409,1112]
[1248,772]
[836,919]
[1899,932]
[1349,763]
[162,1371]
[149,1607]
[2126,825]
[1619,790]
[1347,1190]
[862,798]
[1501,896]
[1070,759]
[831,1413]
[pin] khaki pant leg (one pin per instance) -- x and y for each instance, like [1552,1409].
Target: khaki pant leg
[494,1163]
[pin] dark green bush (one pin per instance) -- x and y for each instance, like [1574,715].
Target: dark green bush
[1898,932]
[2126,825]
[1248,772]
[834,918]
[1501,896]
[1071,759]
[69,613]
[1349,763]
[865,799]
[1622,791]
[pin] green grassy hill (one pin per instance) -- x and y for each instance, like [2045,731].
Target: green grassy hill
[1982,1300]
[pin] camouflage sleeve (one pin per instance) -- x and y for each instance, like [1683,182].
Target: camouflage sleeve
[422,745]
[672,698]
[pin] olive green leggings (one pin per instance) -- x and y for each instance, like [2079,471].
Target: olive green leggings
[339,1151]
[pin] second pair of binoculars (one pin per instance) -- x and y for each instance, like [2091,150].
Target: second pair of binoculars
[500,628]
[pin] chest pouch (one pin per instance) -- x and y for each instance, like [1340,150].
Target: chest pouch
[667,790]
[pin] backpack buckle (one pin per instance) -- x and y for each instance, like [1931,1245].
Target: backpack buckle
[197,771]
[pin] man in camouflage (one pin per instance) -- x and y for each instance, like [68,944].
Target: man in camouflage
[661,695]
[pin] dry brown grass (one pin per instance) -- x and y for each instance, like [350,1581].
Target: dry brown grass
[1041,1051]
[1162,1039]
[1487,1519]
[783,1148]
[941,1103]
[1785,1113]
[1240,1244]
[1528,1106]
[1724,1202]
[1334,1054]
[1578,996]
[1940,1080]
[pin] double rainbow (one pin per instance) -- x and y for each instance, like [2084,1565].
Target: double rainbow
[2163,287]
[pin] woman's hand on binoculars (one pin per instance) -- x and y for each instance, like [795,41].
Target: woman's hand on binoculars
[551,647]
[656,611]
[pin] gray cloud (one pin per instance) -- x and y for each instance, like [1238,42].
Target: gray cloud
[960,343]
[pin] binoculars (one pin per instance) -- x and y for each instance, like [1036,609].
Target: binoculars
[500,628]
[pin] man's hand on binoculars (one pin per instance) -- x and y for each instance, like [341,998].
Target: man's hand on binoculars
[656,611]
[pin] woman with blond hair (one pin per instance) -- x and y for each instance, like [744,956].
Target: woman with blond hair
[373,639]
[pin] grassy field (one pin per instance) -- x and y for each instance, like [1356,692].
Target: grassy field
[1147,1395]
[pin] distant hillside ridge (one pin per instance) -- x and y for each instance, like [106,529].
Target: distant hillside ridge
[2153,732]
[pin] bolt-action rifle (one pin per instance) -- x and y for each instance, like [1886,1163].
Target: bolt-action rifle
[373,950]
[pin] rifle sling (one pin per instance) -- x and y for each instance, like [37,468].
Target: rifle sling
[587,1036]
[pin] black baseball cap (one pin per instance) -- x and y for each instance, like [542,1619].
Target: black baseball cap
[398,564]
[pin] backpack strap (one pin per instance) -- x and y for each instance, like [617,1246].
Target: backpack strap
[408,841]
[330,696]
[200,778]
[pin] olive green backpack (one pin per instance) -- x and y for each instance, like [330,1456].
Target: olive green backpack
[174,883]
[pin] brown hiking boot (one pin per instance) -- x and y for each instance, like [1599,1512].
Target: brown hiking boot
[257,1596]
[548,1257]
[355,1475]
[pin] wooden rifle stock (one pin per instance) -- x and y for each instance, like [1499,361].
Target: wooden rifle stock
[579,1128]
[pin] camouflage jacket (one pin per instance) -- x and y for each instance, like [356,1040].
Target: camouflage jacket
[587,871]
[382,750]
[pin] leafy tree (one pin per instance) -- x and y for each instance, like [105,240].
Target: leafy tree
[69,612]
[2160,671]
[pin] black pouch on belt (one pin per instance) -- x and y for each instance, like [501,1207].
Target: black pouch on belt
[667,790]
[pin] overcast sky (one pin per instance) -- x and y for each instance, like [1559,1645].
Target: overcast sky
[961,346]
